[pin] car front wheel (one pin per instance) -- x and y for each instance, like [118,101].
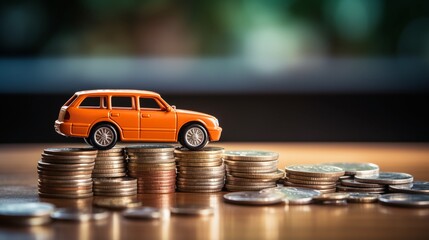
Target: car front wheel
[103,137]
[194,137]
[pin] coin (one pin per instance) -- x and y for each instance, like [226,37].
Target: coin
[354,183]
[416,187]
[254,198]
[386,178]
[356,168]
[318,187]
[26,213]
[206,151]
[307,182]
[150,148]
[315,170]
[405,199]
[292,195]
[360,189]
[332,196]
[146,213]
[250,155]
[71,151]
[192,210]
[115,187]
[359,197]
[307,178]
[71,214]
[116,202]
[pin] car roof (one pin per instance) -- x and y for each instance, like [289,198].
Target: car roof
[117,92]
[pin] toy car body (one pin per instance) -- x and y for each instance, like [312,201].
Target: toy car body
[103,117]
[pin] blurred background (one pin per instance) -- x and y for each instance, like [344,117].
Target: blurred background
[271,70]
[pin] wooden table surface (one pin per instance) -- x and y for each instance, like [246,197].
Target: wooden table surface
[18,180]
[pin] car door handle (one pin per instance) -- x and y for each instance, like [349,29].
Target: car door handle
[114,114]
[145,115]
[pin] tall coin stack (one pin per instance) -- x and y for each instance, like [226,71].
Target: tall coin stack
[154,167]
[66,172]
[110,163]
[319,177]
[200,171]
[251,170]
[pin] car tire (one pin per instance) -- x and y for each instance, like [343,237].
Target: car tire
[88,141]
[103,136]
[194,137]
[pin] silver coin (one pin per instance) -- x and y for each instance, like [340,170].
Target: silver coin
[71,214]
[254,198]
[292,195]
[359,197]
[415,187]
[146,213]
[332,196]
[405,199]
[315,170]
[34,209]
[356,168]
[386,178]
[192,210]
[150,148]
[354,183]
[251,155]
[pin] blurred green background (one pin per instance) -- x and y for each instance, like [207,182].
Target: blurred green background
[353,70]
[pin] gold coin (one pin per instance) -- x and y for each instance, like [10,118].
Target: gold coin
[251,163]
[105,175]
[207,164]
[58,195]
[230,187]
[202,152]
[71,151]
[332,196]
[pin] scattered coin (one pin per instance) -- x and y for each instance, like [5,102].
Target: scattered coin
[146,213]
[79,215]
[28,214]
[405,199]
[154,167]
[359,197]
[292,195]
[352,169]
[415,187]
[254,198]
[195,174]
[192,210]
[388,178]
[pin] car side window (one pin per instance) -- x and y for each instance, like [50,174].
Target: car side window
[149,103]
[122,102]
[91,102]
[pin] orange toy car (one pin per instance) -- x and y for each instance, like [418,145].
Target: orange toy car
[103,117]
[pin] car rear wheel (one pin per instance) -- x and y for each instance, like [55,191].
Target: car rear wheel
[103,137]
[194,137]
[88,141]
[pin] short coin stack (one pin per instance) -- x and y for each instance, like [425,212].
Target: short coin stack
[115,187]
[380,182]
[66,172]
[358,169]
[110,163]
[320,177]
[251,170]
[200,171]
[154,167]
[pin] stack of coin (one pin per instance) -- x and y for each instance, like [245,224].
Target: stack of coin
[154,167]
[115,187]
[200,171]
[383,180]
[110,163]
[251,170]
[66,172]
[351,185]
[320,177]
